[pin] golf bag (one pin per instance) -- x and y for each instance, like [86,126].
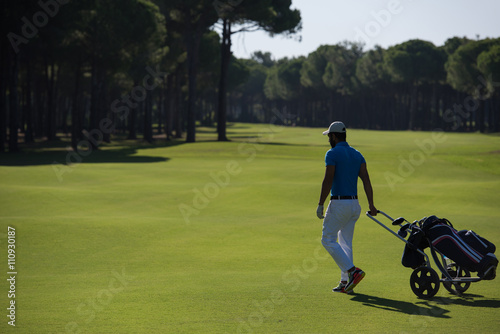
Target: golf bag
[480,244]
[471,251]
[412,258]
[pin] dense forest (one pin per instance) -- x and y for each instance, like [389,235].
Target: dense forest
[146,69]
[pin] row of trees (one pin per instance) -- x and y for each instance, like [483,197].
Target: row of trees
[413,85]
[92,68]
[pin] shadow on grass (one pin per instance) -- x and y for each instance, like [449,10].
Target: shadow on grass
[120,150]
[469,300]
[65,157]
[419,308]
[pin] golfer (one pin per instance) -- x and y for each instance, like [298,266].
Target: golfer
[344,165]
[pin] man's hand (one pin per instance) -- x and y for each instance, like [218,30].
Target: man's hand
[319,212]
[373,210]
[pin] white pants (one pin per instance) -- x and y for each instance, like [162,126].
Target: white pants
[340,218]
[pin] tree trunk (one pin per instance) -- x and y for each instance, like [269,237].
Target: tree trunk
[13,103]
[148,126]
[161,107]
[76,126]
[481,112]
[131,123]
[28,110]
[103,107]
[132,120]
[4,65]
[95,99]
[495,111]
[413,106]
[39,104]
[169,106]
[193,46]
[178,105]
[51,116]
[225,49]
[434,107]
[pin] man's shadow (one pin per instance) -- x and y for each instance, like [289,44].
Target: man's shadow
[431,308]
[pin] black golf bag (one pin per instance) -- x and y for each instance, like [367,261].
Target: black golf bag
[412,258]
[465,248]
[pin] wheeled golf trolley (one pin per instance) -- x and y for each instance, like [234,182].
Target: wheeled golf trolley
[424,280]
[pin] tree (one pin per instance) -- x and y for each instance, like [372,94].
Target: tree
[314,68]
[375,87]
[175,63]
[12,47]
[452,44]
[488,62]
[4,62]
[193,18]
[283,85]
[118,36]
[272,16]
[464,74]
[13,102]
[208,75]
[263,58]
[311,78]
[413,63]
[283,80]
[341,67]
[253,89]
[144,46]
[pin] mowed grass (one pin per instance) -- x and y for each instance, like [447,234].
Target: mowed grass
[217,237]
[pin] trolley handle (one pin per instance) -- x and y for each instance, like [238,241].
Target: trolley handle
[379,211]
[395,234]
[397,221]
[369,215]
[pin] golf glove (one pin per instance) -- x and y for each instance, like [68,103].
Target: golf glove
[319,212]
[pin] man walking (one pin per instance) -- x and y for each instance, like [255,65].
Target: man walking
[344,165]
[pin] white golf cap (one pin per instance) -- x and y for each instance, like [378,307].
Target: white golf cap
[337,126]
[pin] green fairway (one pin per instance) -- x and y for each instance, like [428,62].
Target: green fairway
[222,237]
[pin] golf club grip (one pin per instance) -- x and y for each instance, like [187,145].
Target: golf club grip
[398,221]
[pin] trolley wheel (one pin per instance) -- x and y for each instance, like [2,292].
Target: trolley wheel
[424,282]
[456,272]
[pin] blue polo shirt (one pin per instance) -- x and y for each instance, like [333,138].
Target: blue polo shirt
[347,162]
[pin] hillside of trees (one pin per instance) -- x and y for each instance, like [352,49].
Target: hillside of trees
[92,69]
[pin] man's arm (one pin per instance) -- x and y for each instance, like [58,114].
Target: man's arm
[367,185]
[326,187]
